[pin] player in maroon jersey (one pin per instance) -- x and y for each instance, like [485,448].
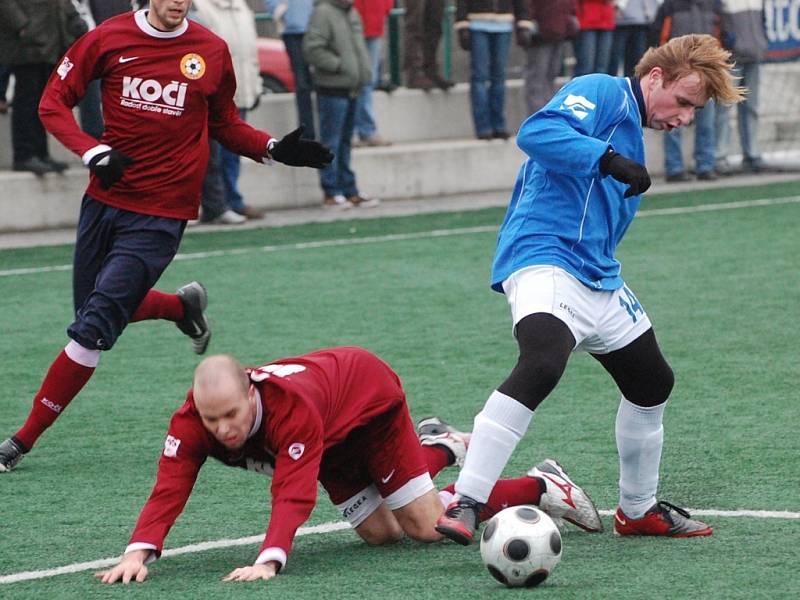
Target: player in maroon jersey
[167,84]
[338,416]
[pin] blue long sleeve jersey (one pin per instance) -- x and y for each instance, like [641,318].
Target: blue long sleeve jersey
[563,211]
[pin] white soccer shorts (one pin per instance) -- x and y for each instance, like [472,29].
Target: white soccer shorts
[601,321]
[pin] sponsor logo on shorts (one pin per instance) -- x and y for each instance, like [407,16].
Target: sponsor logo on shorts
[171,446]
[258,466]
[56,408]
[296,450]
[388,477]
[349,510]
[567,308]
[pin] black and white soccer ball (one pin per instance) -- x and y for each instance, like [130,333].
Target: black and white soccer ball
[521,546]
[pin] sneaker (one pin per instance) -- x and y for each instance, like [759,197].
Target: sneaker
[662,519]
[707,175]
[251,212]
[435,432]
[359,201]
[337,202]
[10,455]
[677,177]
[501,134]
[229,217]
[374,141]
[35,165]
[194,323]
[563,499]
[57,165]
[460,520]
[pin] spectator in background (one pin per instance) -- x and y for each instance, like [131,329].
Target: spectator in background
[556,22]
[674,19]
[291,19]
[423,30]
[334,46]
[593,43]
[373,15]
[484,30]
[234,22]
[742,32]
[213,204]
[5,74]
[633,21]
[89,111]
[33,36]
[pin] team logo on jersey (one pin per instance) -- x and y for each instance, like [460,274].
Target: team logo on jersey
[579,106]
[193,66]
[296,450]
[64,68]
[171,446]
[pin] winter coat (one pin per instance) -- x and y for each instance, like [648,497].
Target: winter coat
[742,29]
[37,31]
[681,17]
[334,46]
[556,19]
[596,14]
[234,22]
[638,12]
[373,15]
[503,11]
[291,16]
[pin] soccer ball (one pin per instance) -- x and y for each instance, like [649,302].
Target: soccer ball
[521,546]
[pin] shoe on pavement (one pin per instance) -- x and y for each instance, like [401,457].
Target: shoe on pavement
[460,520]
[194,323]
[57,165]
[359,201]
[563,499]
[374,141]
[435,432]
[34,165]
[662,519]
[229,217]
[251,212]
[10,455]
[337,202]
[678,177]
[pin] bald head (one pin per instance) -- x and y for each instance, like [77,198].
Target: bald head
[223,398]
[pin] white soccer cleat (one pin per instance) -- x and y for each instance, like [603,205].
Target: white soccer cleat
[435,432]
[563,499]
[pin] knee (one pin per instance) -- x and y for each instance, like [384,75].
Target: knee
[655,390]
[382,536]
[421,530]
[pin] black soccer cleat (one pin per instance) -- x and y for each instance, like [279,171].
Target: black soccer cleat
[460,521]
[10,455]
[194,323]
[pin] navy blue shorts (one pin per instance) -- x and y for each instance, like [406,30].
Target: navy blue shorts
[119,256]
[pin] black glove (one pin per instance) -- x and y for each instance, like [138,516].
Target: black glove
[109,166]
[294,151]
[463,39]
[627,171]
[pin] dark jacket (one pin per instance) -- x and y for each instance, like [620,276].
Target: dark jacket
[742,30]
[503,11]
[334,46]
[681,17]
[105,9]
[557,20]
[37,31]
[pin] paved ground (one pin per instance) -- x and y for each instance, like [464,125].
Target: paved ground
[280,218]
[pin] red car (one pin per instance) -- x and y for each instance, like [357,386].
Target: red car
[274,65]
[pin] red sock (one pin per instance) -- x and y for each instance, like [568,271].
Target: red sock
[509,492]
[158,305]
[63,381]
[437,458]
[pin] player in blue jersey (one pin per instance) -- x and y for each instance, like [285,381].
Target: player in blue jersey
[574,198]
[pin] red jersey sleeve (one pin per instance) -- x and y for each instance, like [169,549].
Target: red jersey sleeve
[65,88]
[185,451]
[295,432]
[226,126]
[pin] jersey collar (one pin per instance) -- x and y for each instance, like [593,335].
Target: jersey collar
[141,21]
[636,90]
[259,415]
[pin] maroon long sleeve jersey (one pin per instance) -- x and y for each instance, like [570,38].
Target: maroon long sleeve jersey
[162,93]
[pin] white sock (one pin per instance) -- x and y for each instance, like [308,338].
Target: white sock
[498,429]
[640,436]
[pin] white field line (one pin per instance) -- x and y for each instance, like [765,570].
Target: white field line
[401,237]
[327,528]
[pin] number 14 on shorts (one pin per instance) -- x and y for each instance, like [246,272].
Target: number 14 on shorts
[631,304]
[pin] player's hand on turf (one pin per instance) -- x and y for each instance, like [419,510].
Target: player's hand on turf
[130,568]
[295,151]
[627,171]
[253,572]
[109,166]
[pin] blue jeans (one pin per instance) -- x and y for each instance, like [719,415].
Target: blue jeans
[704,150]
[365,113]
[747,116]
[229,161]
[628,46]
[487,85]
[593,51]
[302,82]
[336,124]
